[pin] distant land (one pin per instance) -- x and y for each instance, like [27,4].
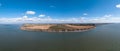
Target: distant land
[58,27]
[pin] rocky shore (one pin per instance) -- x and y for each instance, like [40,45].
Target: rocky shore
[57,27]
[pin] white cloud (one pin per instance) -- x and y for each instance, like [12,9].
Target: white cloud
[41,15]
[85,14]
[26,19]
[30,12]
[118,6]
[108,15]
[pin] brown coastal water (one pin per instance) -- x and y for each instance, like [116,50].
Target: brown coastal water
[103,38]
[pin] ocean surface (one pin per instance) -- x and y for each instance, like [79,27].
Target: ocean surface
[102,38]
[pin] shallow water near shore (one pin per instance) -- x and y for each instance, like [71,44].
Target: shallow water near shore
[102,38]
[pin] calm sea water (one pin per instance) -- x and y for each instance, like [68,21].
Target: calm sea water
[103,38]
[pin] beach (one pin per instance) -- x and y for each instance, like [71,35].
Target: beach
[57,27]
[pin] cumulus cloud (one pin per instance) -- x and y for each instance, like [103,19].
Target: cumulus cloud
[118,6]
[42,18]
[26,19]
[30,12]
[85,14]
[109,15]
[41,15]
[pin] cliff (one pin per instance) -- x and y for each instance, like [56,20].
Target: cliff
[57,27]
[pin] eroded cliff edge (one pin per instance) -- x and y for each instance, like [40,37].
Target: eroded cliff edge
[57,27]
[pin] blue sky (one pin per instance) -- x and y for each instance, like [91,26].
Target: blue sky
[60,9]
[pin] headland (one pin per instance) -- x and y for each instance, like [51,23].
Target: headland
[57,27]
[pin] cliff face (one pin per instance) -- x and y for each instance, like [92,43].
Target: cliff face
[57,27]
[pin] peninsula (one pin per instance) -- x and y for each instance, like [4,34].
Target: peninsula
[57,27]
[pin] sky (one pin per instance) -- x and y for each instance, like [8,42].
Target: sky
[59,11]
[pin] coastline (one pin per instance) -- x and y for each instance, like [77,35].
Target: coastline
[57,27]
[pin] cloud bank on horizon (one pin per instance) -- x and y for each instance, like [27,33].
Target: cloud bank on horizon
[42,18]
[50,12]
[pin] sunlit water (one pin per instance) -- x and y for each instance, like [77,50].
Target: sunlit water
[103,38]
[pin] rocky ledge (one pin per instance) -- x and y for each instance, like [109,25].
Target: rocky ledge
[57,27]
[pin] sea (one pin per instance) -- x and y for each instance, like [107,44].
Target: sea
[102,38]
